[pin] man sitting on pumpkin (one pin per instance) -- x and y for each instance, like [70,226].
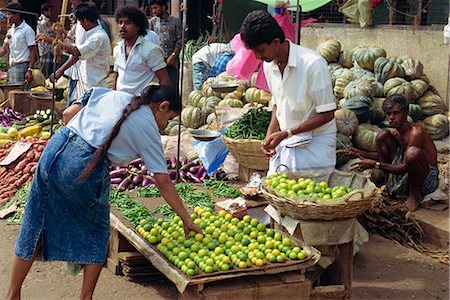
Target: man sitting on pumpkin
[405,153]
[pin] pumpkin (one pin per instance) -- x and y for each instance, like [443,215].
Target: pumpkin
[415,112]
[379,90]
[230,103]
[208,91]
[343,142]
[341,82]
[413,68]
[333,67]
[361,87]
[345,58]
[2,96]
[385,68]
[191,117]
[194,97]
[400,86]
[256,95]
[174,130]
[377,114]
[399,59]
[346,121]
[201,102]
[238,93]
[361,73]
[431,104]
[209,105]
[329,50]
[172,123]
[225,77]
[365,137]
[360,105]
[420,87]
[253,79]
[211,118]
[365,57]
[437,126]
[335,74]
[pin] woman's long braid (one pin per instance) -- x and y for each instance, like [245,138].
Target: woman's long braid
[100,153]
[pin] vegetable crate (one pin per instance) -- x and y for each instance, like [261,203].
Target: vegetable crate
[21,102]
[348,206]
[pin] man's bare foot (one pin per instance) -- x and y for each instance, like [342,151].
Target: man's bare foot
[413,202]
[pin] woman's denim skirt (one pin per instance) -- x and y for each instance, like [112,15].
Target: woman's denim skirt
[70,219]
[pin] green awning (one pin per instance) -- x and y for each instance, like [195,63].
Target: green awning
[307,5]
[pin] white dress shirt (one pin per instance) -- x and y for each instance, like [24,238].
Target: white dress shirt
[138,70]
[94,60]
[303,91]
[19,39]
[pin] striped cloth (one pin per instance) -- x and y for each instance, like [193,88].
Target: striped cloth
[199,75]
[46,64]
[220,64]
[16,73]
[398,185]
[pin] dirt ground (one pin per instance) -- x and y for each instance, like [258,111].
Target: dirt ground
[382,270]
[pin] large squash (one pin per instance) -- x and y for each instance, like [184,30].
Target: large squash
[437,126]
[377,114]
[385,69]
[230,103]
[38,78]
[333,67]
[194,97]
[341,82]
[379,90]
[360,105]
[399,86]
[225,77]
[256,95]
[413,68]
[359,73]
[415,112]
[346,121]
[238,93]
[329,50]
[191,117]
[345,58]
[172,123]
[209,105]
[431,104]
[365,57]
[365,137]
[335,74]
[420,87]
[365,86]
[343,142]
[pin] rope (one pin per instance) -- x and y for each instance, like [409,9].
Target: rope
[415,17]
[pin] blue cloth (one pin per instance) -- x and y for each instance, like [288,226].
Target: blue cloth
[199,75]
[220,64]
[72,87]
[70,218]
[212,153]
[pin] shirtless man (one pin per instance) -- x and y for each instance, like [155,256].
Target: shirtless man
[406,154]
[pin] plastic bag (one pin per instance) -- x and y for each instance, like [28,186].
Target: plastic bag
[212,154]
[243,63]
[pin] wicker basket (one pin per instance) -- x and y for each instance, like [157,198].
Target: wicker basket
[248,153]
[348,206]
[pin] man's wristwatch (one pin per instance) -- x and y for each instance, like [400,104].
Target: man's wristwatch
[377,165]
[173,54]
[289,133]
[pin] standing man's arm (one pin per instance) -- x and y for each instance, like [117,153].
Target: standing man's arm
[178,43]
[4,49]
[163,76]
[33,55]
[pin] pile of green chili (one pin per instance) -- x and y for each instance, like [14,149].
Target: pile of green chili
[251,126]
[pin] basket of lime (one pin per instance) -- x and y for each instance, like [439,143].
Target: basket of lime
[335,195]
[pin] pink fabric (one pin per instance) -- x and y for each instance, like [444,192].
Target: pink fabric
[244,62]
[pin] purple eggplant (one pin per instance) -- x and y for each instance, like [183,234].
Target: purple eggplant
[145,182]
[118,173]
[200,172]
[136,162]
[116,180]
[172,174]
[124,184]
[194,169]
[152,180]
[137,179]
[193,178]
[183,160]
[173,162]
[188,165]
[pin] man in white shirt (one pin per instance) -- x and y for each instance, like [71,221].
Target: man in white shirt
[20,45]
[203,59]
[302,131]
[44,25]
[137,61]
[93,53]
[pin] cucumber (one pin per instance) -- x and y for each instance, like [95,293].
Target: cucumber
[4,129]
[42,112]
[48,111]
[45,116]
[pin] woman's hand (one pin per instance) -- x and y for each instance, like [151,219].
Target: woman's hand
[189,226]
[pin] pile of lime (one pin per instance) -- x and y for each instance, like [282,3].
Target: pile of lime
[226,242]
[304,188]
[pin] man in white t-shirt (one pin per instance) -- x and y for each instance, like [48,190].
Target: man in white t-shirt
[203,59]
[93,53]
[20,45]
[137,61]
[302,131]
